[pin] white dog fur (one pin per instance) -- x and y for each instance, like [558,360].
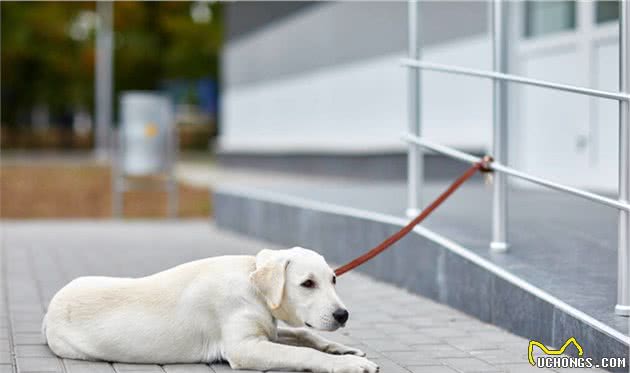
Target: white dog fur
[221,308]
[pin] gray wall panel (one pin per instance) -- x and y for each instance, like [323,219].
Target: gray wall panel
[263,47]
[245,17]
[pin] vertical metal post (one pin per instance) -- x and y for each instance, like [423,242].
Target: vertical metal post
[172,189]
[499,124]
[415,161]
[118,180]
[623,274]
[104,78]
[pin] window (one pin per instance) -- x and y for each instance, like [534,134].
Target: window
[606,11]
[546,17]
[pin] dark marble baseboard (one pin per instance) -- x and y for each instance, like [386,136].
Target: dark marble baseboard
[386,166]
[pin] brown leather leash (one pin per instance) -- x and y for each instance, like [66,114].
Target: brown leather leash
[481,166]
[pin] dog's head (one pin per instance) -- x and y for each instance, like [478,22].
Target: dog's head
[299,288]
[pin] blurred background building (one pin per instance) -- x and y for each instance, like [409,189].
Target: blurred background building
[318,87]
[314,85]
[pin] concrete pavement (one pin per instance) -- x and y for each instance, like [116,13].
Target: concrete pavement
[400,331]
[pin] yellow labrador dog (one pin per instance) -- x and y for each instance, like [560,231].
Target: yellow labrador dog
[221,308]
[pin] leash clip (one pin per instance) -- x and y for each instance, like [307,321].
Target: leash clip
[485,163]
[486,169]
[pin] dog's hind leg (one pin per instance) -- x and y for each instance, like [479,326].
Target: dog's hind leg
[62,346]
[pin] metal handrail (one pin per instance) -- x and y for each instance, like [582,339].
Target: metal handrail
[458,70]
[500,77]
[469,158]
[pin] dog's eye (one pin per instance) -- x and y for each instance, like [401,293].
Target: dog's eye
[308,284]
[334,280]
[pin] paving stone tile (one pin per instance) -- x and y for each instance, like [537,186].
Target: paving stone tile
[33,351]
[492,335]
[225,368]
[369,351]
[29,316]
[187,368]
[17,307]
[417,338]
[372,317]
[400,311]
[443,332]
[472,325]
[365,334]
[27,326]
[79,366]
[4,344]
[358,324]
[442,351]
[384,345]
[431,369]
[424,322]
[407,358]
[388,366]
[28,339]
[5,357]
[38,364]
[393,328]
[435,314]
[466,365]
[527,368]
[502,356]
[119,367]
[471,344]
[6,368]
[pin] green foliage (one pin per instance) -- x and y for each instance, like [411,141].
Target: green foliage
[42,63]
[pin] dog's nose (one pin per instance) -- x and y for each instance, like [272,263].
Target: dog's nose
[341,316]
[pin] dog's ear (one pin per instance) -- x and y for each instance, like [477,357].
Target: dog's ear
[269,276]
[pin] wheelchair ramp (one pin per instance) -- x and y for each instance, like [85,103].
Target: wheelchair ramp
[557,281]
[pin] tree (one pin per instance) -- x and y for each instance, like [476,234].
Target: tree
[40,62]
[48,51]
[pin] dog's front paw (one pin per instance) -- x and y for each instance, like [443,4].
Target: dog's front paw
[354,364]
[339,349]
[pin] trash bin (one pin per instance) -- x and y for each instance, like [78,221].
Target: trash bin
[147,145]
[146,133]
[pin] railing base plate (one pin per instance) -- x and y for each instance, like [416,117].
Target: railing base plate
[412,213]
[499,246]
[622,310]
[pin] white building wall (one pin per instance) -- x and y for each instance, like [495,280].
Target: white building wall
[566,137]
[360,106]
